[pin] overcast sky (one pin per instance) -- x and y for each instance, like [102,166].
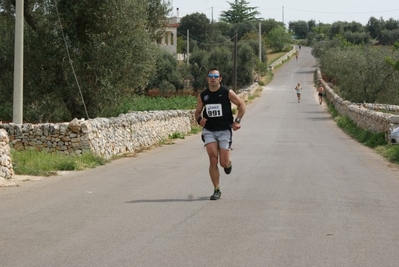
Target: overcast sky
[294,10]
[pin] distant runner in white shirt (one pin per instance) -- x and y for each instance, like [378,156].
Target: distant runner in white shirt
[298,90]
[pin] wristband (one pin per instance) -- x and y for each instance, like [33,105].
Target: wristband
[199,119]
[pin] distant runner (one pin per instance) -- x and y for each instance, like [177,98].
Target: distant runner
[320,91]
[298,90]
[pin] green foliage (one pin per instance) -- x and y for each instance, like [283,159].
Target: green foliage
[199,66]
[197,24]
[268,25]
[385,31]
[195,129]
[357,38]
[239,12]
[390,152]
[363,136]
[247,61]
[388,37]
[320,48]
[156,10]
[223,28]
[32,162]
[167,77]
[242,28]
[177,136]
[145,103]
[373,140]
[222,58]
[114,56]
[111,44]
[376,80]
[7,22]
[6,112]
[391,62]
[341,27]
[299,28]
[375,26]
[278,38]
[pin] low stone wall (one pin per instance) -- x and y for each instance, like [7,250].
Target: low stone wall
[134,131]
[105,137]
[6,169]
[282,59]
[245,93]
[366,116]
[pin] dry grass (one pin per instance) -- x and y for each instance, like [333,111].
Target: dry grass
[272,56]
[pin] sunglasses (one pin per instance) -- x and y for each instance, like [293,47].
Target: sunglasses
[213,76]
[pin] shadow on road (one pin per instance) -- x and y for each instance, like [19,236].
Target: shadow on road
[188,199]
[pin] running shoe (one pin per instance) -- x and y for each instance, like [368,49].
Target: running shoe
[216,194]
[228,169]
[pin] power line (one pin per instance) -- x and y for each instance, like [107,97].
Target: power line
[70,60]
[341,13]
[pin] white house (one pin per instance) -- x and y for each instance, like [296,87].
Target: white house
[169,41]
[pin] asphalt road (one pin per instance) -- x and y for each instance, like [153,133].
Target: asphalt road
[301,193]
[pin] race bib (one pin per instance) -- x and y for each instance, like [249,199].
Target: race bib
[214,110]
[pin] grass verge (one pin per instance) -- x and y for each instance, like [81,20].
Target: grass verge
[373,140]
[40,163]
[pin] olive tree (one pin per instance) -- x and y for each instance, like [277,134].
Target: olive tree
[108,53]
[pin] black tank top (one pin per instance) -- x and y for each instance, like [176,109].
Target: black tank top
[217,109]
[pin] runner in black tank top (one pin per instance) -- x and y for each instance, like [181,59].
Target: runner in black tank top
[214,114]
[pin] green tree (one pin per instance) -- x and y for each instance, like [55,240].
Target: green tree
[221,57]
[389,37]
[223,27]
[269,24]
[246,64]
[7,22]
[239,12]
[278,38]
[375,26]
[242,29]
[357,37]
[300,28]
[197,24]
[391,24]
[363,74]
[167,78]
[111,44]
[311,24]
[340,27]
[157,10]
[199,66]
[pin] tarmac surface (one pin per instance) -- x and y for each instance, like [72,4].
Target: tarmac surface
[301,193]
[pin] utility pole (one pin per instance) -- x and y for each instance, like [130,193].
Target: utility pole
[260,42]
[18,63]
[235,64]
[260,49]
[188,46]
[283,15]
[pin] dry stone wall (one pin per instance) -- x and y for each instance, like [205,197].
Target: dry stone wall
[366,116]
[105,137]
[6,169]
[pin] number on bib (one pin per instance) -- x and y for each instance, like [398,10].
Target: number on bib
[214,110]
